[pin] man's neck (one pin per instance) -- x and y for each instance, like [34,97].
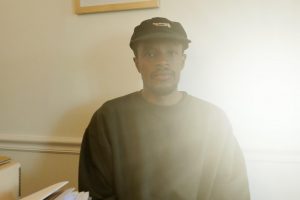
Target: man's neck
[162,100]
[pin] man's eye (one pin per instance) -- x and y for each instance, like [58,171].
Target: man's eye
[173,53]
[150,54]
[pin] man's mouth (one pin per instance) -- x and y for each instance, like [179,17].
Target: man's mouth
[162,75]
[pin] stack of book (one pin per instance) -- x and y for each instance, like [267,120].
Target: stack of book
[55,192]
[4,159]
[9,178]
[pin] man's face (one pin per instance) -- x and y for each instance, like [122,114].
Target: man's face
[160,62]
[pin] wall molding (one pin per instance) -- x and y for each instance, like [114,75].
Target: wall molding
[71,145]
[37,143]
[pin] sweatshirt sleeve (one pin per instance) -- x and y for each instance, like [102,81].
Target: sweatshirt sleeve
[231,182]
[95,163]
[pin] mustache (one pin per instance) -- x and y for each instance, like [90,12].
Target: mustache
[162,72]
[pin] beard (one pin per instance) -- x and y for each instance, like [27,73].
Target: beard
[161,90]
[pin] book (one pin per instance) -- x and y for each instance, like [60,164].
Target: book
[9,180]
[55,192]
[4,159]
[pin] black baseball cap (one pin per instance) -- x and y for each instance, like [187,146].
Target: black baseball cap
[159,28]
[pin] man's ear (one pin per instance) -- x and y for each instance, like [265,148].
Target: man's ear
[136,62]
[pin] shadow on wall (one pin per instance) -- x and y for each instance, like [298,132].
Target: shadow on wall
[74,121]
[108,71]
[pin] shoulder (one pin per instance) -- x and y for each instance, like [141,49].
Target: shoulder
[216,120]
[197,103]
[120,103]
[203,109]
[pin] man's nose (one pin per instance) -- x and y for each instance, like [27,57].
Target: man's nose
[163,59]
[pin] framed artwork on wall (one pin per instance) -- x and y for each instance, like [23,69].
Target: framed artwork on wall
[93,6]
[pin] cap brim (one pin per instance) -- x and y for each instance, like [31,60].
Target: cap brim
[160,36]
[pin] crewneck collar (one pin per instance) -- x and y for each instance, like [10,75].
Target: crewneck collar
[147,103]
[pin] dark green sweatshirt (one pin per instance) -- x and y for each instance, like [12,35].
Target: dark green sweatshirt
[135,150]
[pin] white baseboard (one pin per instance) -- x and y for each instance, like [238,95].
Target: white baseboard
[37,143]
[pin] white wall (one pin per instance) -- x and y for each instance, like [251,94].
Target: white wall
[58,67]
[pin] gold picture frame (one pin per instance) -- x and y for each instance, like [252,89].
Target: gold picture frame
[93,6]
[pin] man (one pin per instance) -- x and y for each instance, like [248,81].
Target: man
[160,143]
